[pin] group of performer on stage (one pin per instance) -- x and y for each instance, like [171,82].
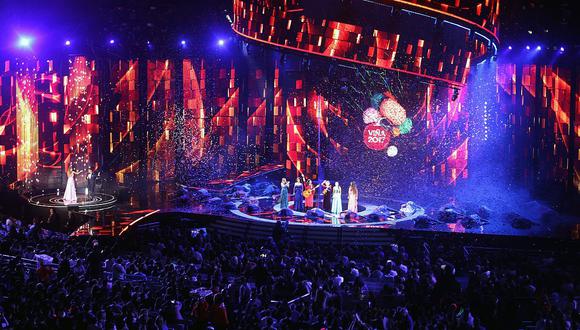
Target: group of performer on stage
[304,191]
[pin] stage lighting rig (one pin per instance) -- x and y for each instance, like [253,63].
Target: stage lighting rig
[25,42]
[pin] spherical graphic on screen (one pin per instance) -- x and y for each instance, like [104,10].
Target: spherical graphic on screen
[392,151]
[393,111]
[376,137]
[371,115]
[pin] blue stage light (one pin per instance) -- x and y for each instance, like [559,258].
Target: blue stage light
[25,42]
[528,47]
[221,42]
[67,43]
[539,48]
[183,42]
[510,47]
[562,49]
[112,41]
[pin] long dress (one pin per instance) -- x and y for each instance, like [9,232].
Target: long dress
[70,192]
[284,196]
[309,201]
[327,199]
[298,198]
[336,200]
[352,200]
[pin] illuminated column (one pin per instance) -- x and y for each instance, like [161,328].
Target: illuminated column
[7,126]
[161,111]
[81,126]
[50,122]
[194,92]
[26,124]
[256,83]
[278,128]
[225,117]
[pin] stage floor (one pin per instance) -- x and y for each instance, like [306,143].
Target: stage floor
[251,197]
[96,202]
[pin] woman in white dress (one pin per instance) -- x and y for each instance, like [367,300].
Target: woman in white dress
[353,198]
[70,192]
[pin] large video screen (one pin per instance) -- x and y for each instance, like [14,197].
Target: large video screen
[387,130]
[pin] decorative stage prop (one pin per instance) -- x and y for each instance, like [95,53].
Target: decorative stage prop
[385,124]
[376,137]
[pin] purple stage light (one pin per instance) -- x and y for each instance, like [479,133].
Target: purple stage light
[183,42]
[67,43]
[112,41]
[528,47]
[221,42]
[562,49]
[510,47]
[539,48]
[24,42]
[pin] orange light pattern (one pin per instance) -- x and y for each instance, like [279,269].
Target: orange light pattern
[539,122]
[160,97]
[210,120]
[7,126]
[194,92]
[295,143]
[277,23]
[256,123]
[483,14]
[50,119]
[457,163]
[26,125]
[279,118]
[529,79]
[556,96]
[506,78]
[81,101]
[301,155]
[126,113]
[216,113]
[225,122]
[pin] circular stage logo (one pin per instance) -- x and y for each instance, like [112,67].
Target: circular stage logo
[376,137]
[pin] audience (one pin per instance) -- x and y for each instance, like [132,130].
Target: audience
[176,278]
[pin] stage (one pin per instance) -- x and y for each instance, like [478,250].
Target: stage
[252,199]
[94,203]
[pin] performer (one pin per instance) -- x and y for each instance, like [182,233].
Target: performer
[298,198]
[284,194]
[353,198]
[336,199]
[327,196]
[70,192]
[91,181]
[309,194]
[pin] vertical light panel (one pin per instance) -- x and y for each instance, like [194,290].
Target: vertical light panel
[81,110]
[160,98]
[26,124]
[194,91]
